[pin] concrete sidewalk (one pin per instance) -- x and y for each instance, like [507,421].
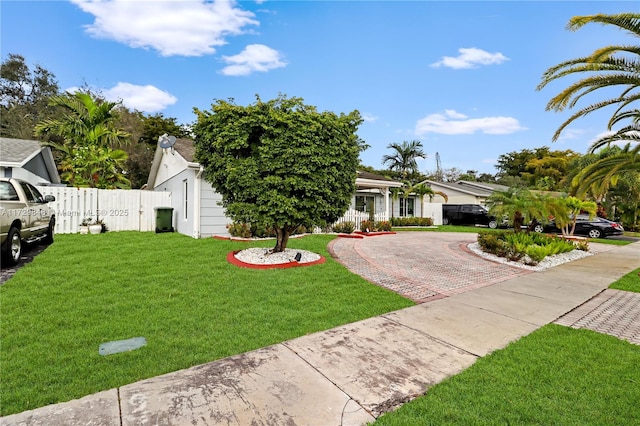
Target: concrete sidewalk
[352,374]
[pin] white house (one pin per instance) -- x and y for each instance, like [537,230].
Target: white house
[196,209]
[27,160]
[464,192]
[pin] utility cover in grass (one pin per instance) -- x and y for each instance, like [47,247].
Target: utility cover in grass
[118,346]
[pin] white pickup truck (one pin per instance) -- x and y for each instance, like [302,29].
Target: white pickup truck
[25,217]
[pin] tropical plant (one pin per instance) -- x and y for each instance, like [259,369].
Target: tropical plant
[280,163]
[519,204]
[404,157]
[565,211]
[395,195]
[87,132]
[616,66]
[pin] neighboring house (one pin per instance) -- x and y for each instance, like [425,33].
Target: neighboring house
[27,160]
[196,209]
[464,192]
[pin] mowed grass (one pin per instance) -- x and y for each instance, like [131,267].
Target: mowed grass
[554,376]
[179,293]
[629,282]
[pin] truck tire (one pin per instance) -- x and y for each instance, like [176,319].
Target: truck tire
[48,239]
[13,246]
[493,224]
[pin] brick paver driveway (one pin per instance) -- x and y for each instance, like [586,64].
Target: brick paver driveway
[421,265]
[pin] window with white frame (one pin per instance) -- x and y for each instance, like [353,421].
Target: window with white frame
[365,203]
[185,194]
[407,207]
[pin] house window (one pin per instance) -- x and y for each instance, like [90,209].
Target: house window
[185,192]
[406,207]
[365,203]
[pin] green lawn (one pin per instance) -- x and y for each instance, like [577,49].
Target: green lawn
[179,293]
[630,282]
[554,376]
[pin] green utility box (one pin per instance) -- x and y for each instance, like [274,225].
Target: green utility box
[164,219]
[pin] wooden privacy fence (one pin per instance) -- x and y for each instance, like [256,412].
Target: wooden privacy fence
[120,209]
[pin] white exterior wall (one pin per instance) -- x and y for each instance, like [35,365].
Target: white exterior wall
[182,223]
[213,220]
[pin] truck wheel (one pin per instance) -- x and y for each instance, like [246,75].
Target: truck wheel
[14,246]
[445,220]
[50,232]
[493,224]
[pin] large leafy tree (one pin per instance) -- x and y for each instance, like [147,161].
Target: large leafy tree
[87,132]
[403,158]
[615,67]
[279,163]
[24,97]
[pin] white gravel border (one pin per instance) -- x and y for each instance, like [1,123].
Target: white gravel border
[546,263]
[263,256]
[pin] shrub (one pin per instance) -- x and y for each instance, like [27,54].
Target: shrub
[411,221]
[344,227]
[240,230]
[515,246]
[384,225]
[367,226]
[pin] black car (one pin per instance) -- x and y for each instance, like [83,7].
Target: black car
[595,227]
[467,214]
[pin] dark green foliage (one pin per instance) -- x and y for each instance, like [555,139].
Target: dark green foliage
[281,163]
[411,221]
[24,97]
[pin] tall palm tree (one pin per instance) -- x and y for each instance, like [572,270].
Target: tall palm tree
[88,132]
[404,156]
[605,68]
[422,190]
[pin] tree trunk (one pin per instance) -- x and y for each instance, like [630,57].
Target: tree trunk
[518,220]
[282,238]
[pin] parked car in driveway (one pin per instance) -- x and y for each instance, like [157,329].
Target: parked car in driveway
[467,214]
[25,217]
[595,227]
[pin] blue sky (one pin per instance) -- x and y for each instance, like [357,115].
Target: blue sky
[460,76]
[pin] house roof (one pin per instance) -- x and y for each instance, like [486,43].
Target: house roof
[477,189]
[186,148]
[17,153]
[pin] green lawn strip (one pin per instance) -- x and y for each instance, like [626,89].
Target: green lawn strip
[629,282]
[556,375]
[179,293]
[610,241]
[445,228]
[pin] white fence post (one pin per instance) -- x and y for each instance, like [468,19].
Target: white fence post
[120,209]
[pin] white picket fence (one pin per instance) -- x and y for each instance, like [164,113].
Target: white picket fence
[120,209]
[357,217]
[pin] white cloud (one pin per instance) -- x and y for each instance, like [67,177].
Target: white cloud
[254,57]
[369,118]
[568,134]
[142,98]
[470,58]
[454,123]
[186,28]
